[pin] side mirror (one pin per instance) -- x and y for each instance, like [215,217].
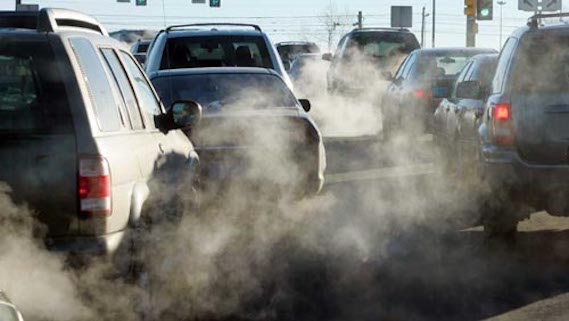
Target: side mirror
[327,57]
[387,75]
[469,90]
[186,113]
[306,105]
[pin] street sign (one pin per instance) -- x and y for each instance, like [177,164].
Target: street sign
[27,7]
[551,5]
[125,1]
[141,2]
[198,1]
[401,16]
[528,5]
[215,3]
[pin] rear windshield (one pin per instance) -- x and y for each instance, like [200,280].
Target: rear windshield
[217,92]
[219,51]
[142,47]
[543,64]
[32,95]
[442,64]
[380,45]
[289,52]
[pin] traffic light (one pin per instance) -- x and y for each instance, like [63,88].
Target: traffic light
[215,3]
[140,2]
[470,7]
[485,10]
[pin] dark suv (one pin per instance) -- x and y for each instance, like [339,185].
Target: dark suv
[381,49]
[525,127]
[82,131]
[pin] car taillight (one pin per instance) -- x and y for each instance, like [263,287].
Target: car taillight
[420,94]
[94,186]
[503,130]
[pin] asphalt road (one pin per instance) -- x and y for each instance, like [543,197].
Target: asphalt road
[417,254]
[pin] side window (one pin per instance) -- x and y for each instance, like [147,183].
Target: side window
[410,66]
[98,84]
[469,71]
[464,75]
[125,88]
[401,68]
[503,63]
[148,102]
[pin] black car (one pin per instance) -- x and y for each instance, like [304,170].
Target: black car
[421,82]
[524,135]
[250,118]
[364,54]
[458,117]
[291,49]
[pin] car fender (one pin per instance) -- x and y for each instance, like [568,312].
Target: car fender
[140,193]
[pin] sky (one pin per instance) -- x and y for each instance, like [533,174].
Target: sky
[286,20]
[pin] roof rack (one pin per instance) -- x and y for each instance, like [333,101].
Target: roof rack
[50,20]
[533,21]
[256,27]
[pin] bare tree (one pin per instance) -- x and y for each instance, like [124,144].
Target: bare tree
[335,22]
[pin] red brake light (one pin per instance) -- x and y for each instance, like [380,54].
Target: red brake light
[502,127]
[501,112]
[420,94]
[94,186]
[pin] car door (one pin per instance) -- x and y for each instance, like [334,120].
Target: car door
[175,152]
[396,89]
[457,106]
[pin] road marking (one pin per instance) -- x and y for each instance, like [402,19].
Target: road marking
[381,173]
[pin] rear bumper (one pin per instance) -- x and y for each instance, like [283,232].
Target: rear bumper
[100,245]
[504,168]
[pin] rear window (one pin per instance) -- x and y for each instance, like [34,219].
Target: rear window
[380,45]
[32,93]
[543,64]
[219,51]
[443,64]
[217,92]
[289,52]
[142,47]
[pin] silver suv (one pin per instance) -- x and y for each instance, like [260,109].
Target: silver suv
[82,131]
[213,45]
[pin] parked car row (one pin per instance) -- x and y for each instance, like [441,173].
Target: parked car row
[85,137]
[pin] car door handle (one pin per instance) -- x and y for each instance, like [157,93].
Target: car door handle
[161,149]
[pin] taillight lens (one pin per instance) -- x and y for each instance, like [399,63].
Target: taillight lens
[420,94]
[503,130]
[94,186]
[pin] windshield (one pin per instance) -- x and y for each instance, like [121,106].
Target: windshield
[381,45]
[289,52]
[442,64]
[216,51]
[226,92]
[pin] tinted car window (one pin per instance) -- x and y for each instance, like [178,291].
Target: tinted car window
[125,88]
[234,51]
[223,91]
[542,65]
[146,98]
[98,85]
[381,45]
[503,63]
[32,93]
[288,52]
[441,64]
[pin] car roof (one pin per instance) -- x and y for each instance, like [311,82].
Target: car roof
[380,30]
[211,32]
[213,70]
[446,50]
[293,43]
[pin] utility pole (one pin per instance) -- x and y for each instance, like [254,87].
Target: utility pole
[360,20]
[470,10]
[501,3]
[18,3]
[434,21]
[423,16]
[331,30]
